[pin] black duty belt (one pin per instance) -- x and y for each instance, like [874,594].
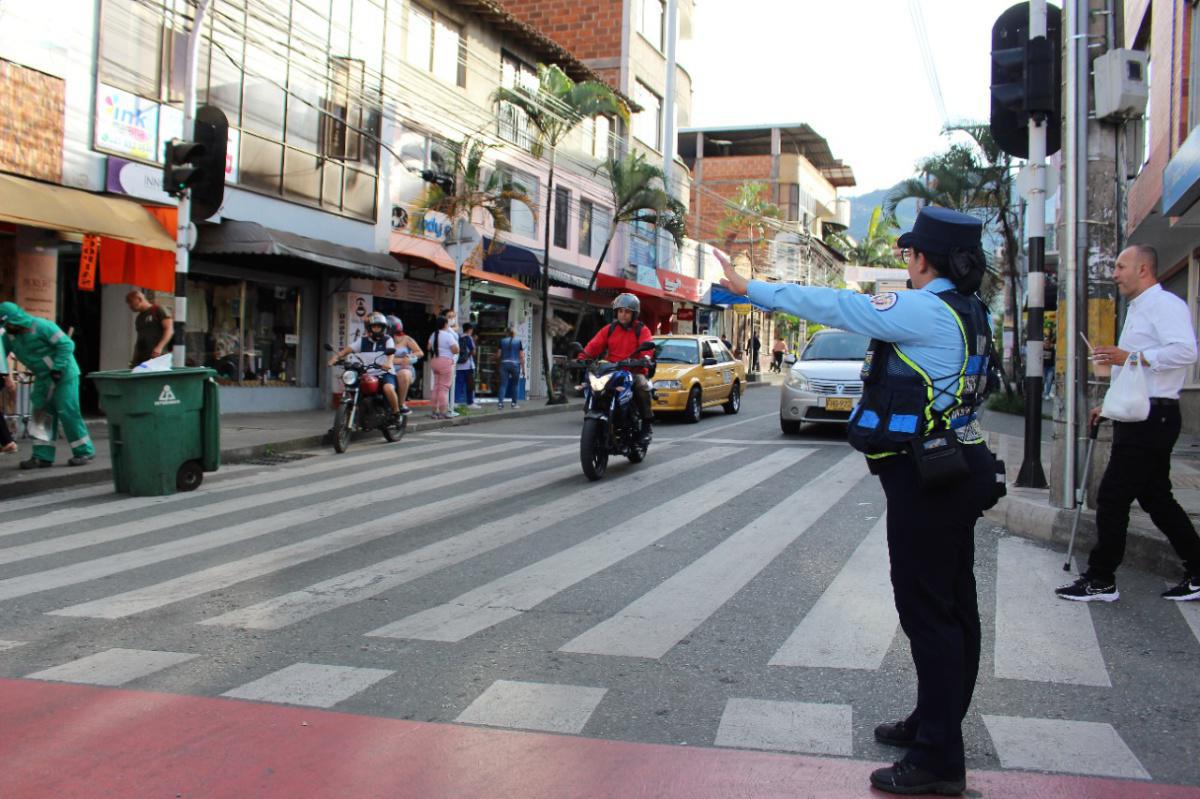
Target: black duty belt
[1163,401]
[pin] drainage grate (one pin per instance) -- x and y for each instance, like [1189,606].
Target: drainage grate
[279,458]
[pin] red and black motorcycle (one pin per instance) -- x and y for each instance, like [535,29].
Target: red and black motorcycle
[364,405]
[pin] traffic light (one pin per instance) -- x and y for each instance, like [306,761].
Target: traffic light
[1025,80]
[199,165]
[440,179]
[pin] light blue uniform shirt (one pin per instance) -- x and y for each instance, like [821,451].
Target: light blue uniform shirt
[923,326]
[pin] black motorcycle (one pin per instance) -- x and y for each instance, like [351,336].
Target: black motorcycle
[364,406]
[612,421]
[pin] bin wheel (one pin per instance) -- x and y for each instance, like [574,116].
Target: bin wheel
[190,476]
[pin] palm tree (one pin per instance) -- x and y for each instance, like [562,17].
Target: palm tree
[873,249]
[467,192]
[554,108]
[639,194]
[976,178]
[748,214]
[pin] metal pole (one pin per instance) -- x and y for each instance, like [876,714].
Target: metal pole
[663,242]
[184,218]
[1031,474]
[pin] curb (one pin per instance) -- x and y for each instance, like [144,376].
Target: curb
[63,479]
[1026,512]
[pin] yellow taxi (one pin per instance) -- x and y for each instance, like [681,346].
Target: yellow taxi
[694,373]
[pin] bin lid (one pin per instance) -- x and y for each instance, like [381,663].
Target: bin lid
[130,374]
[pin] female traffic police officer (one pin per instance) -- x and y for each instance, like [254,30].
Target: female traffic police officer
[924,377]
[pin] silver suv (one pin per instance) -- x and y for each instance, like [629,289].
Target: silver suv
[825,384]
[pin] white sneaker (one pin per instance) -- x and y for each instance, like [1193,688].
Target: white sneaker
[475,406]
[452,414]
[515,406]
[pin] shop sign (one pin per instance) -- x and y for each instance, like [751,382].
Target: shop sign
[358,307]
[388,289]
[436,226]
[136,180]
[37,281]
[648,276]
[88,256]
[741,310]
[685,314]
[126,123]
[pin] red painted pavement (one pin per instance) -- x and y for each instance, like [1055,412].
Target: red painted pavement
[70,741]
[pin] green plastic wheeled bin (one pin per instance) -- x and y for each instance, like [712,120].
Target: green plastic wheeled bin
[164,428]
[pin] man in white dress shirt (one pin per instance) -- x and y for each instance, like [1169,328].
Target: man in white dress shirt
[1158,329]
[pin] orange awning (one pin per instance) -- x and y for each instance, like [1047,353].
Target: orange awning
[130,264]
[493,278]
[409,246]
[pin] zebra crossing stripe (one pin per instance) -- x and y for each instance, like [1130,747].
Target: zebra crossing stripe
[853,623]
[804,727]
[1039,637]
[1069,747]
[346,589]
[1191,613]
[52,518]
[112,666]
[310,684]
[660,619]
[534,706]
[224,575]
[151,523]
[526,588]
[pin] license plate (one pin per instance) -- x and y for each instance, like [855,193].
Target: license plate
[839,403]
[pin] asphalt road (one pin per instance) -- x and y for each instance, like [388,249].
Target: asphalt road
[730,591]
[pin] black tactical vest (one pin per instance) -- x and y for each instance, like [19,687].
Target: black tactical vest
[898,396]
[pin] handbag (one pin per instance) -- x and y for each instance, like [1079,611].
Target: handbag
[1128,397]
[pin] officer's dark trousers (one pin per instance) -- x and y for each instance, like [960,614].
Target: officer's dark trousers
[1140,469]
[931,542]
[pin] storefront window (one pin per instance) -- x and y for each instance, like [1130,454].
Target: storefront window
[491,324]
[248,331]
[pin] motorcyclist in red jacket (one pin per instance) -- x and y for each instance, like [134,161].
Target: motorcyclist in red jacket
[620,341]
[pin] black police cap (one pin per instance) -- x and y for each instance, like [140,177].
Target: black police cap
[942,231]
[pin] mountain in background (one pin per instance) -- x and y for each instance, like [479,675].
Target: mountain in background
[862,206]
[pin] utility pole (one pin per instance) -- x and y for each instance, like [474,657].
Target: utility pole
[663,242]
[1040,103]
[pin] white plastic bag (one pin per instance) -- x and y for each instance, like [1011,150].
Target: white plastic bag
[160,364]
[1128,397]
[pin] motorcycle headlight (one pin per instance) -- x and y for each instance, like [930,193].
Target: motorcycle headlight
[349,377]
[796,381]
[667,384]
[598,382]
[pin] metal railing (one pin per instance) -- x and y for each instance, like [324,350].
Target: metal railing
[18,410]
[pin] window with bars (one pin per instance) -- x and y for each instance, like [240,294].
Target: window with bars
[562,215]
[647,123]
[437,45]
[512,122]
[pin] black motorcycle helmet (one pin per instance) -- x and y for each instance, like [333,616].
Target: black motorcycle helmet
[377,326]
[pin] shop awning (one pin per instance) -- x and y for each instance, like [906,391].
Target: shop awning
[613,282]
[406,245]
[28,202]
[510,259]
[232,237]
[494,279]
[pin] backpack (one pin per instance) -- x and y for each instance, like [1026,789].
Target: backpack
[637,330]
[465,349]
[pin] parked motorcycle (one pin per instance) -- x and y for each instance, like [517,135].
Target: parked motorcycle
[364,405]
[612,422]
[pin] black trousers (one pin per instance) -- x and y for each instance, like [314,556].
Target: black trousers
[931,543]
[1140,469]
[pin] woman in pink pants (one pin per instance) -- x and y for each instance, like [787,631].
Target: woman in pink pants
[443,347]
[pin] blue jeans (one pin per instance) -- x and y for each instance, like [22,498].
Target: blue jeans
[510,380]
[464,386]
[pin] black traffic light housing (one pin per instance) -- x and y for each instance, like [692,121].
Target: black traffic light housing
[440,179]
[1026,80]
[199,165]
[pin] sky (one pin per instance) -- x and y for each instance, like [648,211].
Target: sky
[852,69]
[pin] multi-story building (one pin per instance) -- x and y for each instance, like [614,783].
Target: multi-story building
[800,176]
[626,42]
[335,108]
[1162,208]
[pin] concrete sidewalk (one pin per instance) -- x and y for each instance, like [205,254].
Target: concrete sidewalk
[244,437]
[1029,512]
